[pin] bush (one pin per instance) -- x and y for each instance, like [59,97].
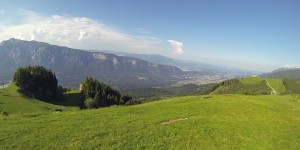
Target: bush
[4,113]
[91,103]
[126,98]
[134,102]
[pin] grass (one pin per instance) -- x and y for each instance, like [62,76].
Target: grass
[278,85]
[251,80]
[13,102]
[219,122]
[72,98]
[247,86]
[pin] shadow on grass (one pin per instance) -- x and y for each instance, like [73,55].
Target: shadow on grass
[71,99]
[68,99]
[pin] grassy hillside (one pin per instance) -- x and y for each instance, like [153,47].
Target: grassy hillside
[252,80]
[292,86]
[247,86]
[278,85]
[13,102]
[256,86]
[219,122]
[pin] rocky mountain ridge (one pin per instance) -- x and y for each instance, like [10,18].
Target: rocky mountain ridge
[72,65]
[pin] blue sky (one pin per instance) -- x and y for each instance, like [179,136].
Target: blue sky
[258,35]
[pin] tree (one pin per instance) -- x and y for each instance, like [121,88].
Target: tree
[100,92]
[36,81]
[126,98]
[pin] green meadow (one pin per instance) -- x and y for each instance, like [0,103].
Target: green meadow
[190,122]
[13,102]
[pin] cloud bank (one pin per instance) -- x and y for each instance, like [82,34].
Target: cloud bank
[75,32]
[178,46]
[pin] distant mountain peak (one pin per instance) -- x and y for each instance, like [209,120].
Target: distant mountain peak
[18,41]
[14,40]
[292,66]
[285,69]
[293,73]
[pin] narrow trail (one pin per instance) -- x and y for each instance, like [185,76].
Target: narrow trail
[273,90]
[294,98]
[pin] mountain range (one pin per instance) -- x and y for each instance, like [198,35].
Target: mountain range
[204,68]
[71,66]
[290,73]
[124,71]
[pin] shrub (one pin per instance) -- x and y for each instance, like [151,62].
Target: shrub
[91,103]
[126,98]
[261,92]
[4,113]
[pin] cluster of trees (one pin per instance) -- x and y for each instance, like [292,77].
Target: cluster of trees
[292,86]
[209,89]
[97,94]
[37,82]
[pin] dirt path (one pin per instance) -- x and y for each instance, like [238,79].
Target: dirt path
[273,90]
[175,120]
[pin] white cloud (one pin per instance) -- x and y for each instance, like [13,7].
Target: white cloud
[292,66]
[178,46]
[75,32]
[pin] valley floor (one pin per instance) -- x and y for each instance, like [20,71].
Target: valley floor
[193,122]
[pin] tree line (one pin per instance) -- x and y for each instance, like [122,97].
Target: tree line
[292,86]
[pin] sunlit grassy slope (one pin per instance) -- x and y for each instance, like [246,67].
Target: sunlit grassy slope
[13,102]
[219,122]
[251,80]
[255,86]
[246,86]
[278,85]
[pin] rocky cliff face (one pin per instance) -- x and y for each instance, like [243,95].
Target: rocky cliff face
[72,66]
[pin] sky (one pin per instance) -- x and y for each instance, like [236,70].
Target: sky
[260,35]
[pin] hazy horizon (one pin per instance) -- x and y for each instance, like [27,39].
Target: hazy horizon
[254,35]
